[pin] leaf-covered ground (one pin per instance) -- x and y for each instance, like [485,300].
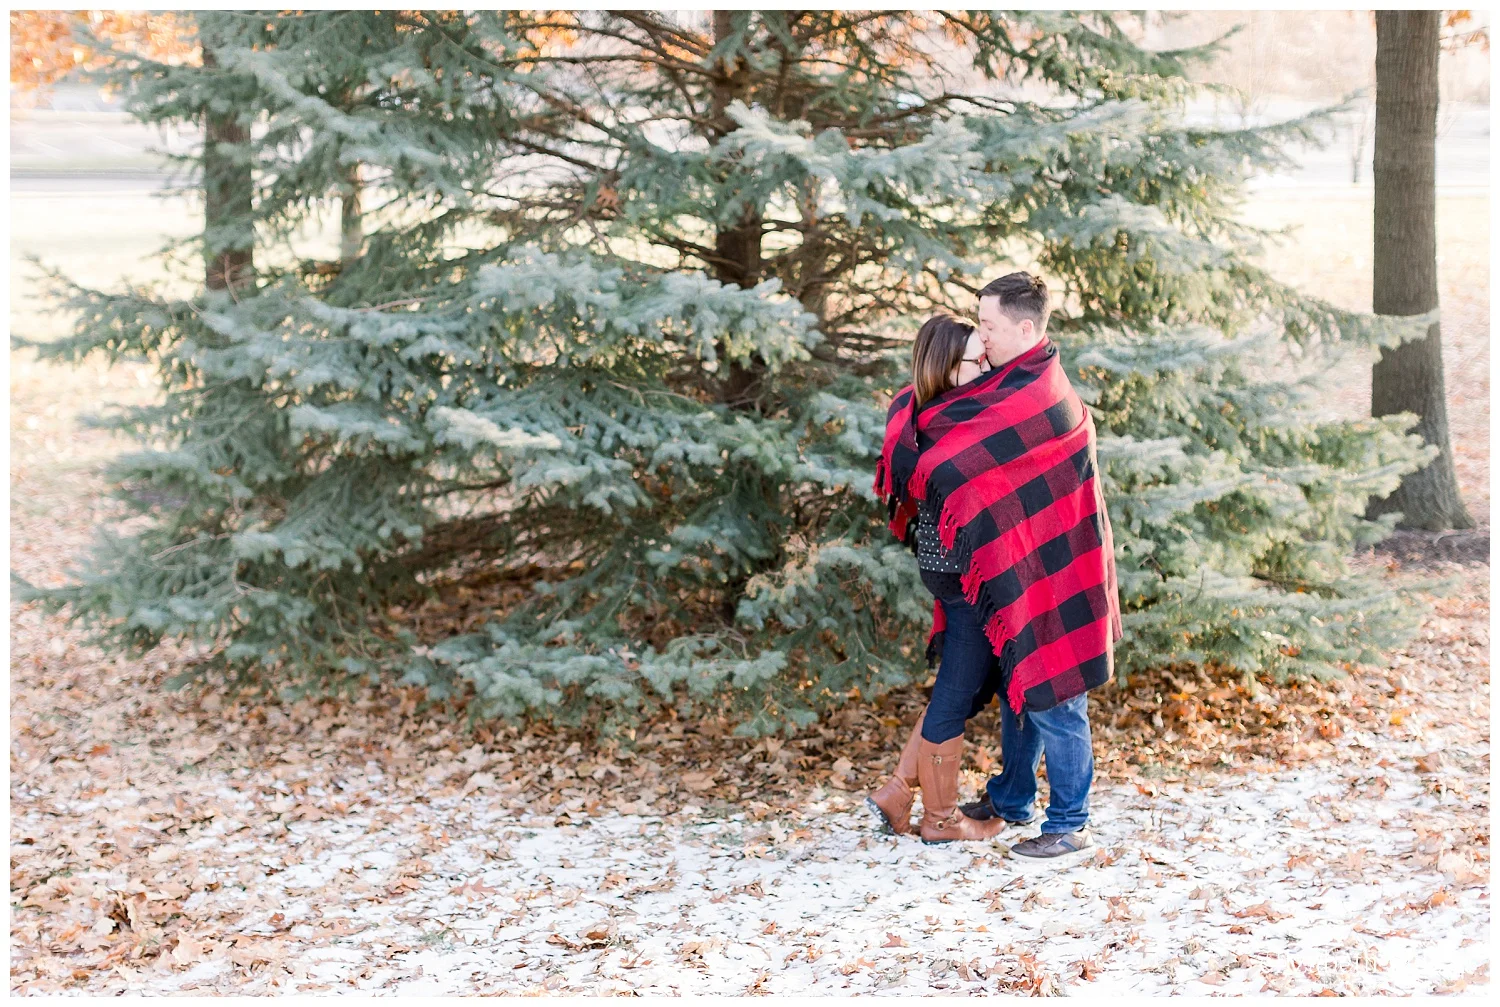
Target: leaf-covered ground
[165,844]
[1298,840]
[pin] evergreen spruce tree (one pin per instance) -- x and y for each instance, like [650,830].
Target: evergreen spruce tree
[585,410]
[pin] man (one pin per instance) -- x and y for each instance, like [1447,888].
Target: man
[1013,312]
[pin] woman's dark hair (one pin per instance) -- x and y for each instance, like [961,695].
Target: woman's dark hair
[939,348]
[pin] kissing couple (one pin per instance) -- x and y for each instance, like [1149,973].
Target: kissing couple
[989,470]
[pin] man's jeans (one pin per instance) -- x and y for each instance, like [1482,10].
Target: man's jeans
[1063,734]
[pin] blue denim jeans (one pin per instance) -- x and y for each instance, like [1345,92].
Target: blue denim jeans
[1063,734]
[966,675]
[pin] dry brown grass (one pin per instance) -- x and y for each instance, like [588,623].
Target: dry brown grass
[1330,256]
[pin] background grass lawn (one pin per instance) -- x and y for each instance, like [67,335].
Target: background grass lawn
[105,237]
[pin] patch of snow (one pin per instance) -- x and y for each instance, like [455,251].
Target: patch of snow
[1252,882]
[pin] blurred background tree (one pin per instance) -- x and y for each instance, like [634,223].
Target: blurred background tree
[583,412]
[1277,55]
[46,45]
[1409,377]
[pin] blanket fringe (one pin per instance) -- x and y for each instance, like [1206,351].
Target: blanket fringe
[1005,651]
[971,580]
[935,635]
[994,630]
[934,649]
[948,526]
[916,484]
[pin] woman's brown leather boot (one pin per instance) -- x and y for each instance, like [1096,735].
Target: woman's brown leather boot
[891,804]
[942,821]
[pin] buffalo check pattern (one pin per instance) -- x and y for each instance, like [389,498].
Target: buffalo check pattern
[1009,462]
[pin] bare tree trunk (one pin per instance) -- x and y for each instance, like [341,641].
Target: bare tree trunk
[737,247]
[228,190]
[1409,377]
[351,229]
[1359,132]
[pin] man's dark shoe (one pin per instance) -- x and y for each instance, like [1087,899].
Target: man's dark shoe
[1054,849]
[982,811]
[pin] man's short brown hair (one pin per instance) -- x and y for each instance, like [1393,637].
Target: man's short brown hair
[1021,296]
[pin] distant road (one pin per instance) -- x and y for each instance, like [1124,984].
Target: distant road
[94,150]
[86,181]
[1296,185]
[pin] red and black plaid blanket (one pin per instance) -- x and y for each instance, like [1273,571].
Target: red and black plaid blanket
[1009,463]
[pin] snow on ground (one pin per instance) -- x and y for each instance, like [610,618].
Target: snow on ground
[1294,881]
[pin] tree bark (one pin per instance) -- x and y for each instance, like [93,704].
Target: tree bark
[738,245]
[1409,377]
[228,191]
[351,221]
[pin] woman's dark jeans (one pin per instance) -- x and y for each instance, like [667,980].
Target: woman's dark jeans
[967,678]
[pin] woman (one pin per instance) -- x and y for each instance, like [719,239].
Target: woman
[947,355]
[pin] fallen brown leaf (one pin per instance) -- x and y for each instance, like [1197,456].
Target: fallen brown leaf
[473,889]
[1432,762]
[1263,911]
